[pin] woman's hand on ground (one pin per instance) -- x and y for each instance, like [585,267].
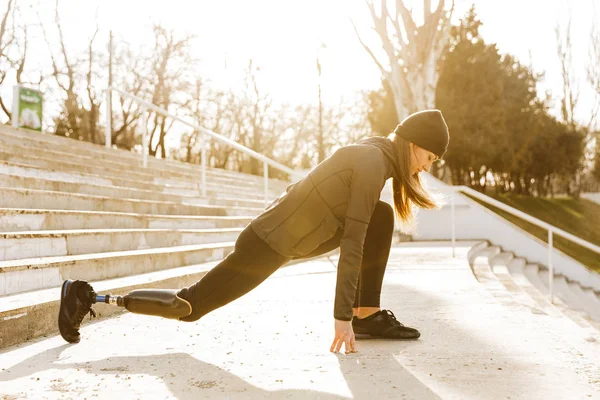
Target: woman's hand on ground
[343,335]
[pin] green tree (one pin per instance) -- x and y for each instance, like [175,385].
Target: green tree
[382,111]
[482,95]
[498,125]
[499,128]
[596,170]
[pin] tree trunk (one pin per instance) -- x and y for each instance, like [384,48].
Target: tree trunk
[412,52]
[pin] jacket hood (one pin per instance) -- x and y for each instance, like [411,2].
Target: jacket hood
[389,150]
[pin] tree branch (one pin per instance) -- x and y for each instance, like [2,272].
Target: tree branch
[8,113]
[4,22]
[21,63]
[64,50]
[409,24]
[55,71]
[90,64]
[368,50]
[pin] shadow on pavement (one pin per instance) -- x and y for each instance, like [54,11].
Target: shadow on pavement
[373,372]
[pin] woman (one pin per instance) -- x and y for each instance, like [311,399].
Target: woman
[336,205]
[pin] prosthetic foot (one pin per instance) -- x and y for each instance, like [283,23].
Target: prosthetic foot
[160,302]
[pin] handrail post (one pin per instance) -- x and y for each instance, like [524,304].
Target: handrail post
[108,131]
[453,226]
[204,162]
[550,266]
[266,176]
[144,120]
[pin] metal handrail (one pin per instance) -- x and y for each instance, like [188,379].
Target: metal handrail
[149,106]
[552,230]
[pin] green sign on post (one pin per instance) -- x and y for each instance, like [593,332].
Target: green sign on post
[27,108]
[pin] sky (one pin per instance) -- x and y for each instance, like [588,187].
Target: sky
[284,38]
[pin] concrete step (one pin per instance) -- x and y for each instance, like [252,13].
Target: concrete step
[489,267]
[479,263]
[560,289]
[39,273]
[17,220]
[592,293]
[516,269]
[563,291]
[35,141]
[539,279]
[569,324]
[193,189]
[112,172]
[25,316]
[30,244]
[109,191]
[49,141]
[590,305]
[51,200]
[509,271]
[499,266]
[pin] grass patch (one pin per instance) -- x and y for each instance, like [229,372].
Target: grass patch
[578,217]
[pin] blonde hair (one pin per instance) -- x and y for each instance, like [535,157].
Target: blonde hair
[408,189]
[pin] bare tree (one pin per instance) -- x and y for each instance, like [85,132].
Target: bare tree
[412,51]
[258,115]
[593,71]
[569,101]
[300,126]
[6,40]
[65,79]
[170,75]
[76,120]
[93,114]
[593,75]
[282,132]
[570,93]
[13,48]
[209,109]
[251,114]
[130,75]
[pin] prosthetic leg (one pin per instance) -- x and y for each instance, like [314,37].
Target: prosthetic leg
[160,302]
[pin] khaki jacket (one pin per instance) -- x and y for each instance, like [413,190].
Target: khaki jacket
[339,193]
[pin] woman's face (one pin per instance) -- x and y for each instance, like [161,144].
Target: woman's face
[420,159]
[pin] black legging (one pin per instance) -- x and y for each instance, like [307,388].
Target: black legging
[253,261]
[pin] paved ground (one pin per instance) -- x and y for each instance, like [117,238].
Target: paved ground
[273,344]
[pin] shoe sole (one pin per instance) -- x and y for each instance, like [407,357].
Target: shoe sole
[370,336]
[63,295]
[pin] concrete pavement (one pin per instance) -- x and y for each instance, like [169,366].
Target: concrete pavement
[273,343]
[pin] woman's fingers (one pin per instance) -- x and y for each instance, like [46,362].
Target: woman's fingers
[333,344]
[339,345]
[348,344]
[336,345]
[348,341]
[353,344]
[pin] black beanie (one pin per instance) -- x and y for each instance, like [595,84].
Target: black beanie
[426,129]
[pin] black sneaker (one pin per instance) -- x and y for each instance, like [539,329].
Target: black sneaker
[76,299]
[383,324]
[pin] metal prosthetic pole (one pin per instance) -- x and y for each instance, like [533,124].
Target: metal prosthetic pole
[110,299]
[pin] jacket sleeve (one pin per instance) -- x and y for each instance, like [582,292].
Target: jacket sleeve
[281,196]
[368,179]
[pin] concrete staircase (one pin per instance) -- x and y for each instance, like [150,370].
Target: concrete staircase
[513,279]
[73,210]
